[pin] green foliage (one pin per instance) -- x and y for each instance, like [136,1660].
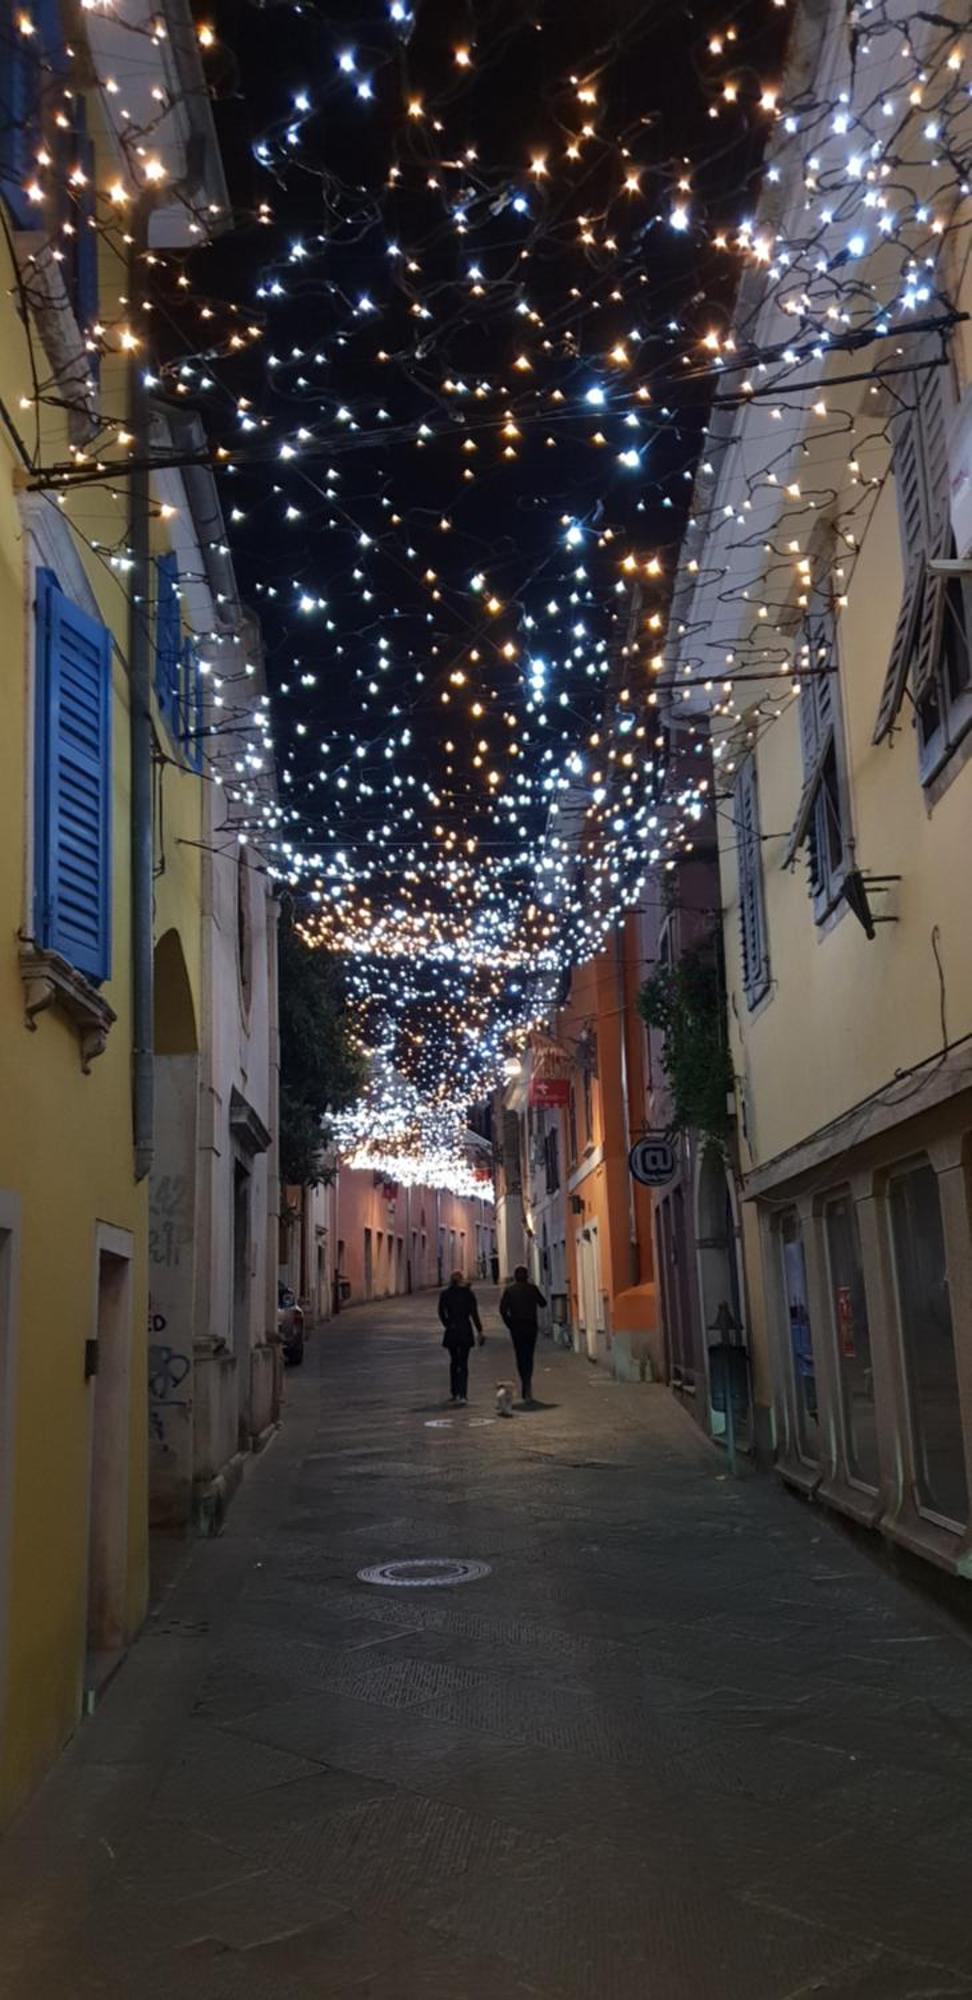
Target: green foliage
[685,1003]
[320,1071]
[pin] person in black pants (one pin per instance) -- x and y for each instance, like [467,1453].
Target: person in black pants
[459,1314]
[518,1311]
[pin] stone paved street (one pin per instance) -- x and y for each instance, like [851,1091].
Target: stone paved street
[682,1742]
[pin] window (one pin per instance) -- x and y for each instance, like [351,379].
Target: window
[76,236]
[72,879]
[244,932]
[588,1061]
[178,674]
[190,719]
[168,639]
[926,1330]
[852,1339]
[572,1125]
[822,818]
[752,908]
[802,1365]
[932,646]
[551,1147]
[511,1152]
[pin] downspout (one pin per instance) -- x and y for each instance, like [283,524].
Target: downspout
[336,1212]
[140,742]
[626,1106]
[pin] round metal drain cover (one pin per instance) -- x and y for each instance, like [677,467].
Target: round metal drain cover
[424,1572]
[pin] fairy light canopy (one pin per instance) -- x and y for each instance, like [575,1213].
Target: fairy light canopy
[454,359]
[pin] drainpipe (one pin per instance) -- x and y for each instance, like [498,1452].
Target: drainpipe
[336,1221]
[140,739]
[626,1104]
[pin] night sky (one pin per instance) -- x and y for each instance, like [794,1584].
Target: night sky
[484,272]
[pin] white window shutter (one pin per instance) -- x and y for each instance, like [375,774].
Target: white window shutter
[752,912]
[899,658]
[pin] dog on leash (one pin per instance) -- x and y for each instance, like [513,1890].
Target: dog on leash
[504,1400]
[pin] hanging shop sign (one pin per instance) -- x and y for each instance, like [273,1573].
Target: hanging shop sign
[652,1160]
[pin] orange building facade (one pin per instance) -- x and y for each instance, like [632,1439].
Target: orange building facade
[576,1154]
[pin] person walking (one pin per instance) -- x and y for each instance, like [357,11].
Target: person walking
[518,1311]
[459,1314]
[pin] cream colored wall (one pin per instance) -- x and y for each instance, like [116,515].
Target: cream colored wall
[845,1013]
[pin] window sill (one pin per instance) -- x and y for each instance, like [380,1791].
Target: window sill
[50,981]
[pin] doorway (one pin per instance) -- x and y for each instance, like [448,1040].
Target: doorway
[108,1366]
[241,1261]
[369,1275]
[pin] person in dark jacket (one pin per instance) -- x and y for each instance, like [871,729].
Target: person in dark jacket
[459,1314]
[518,1311]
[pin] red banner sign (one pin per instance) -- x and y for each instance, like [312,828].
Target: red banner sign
[549,1093]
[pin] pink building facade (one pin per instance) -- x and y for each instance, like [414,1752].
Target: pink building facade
[360,1236]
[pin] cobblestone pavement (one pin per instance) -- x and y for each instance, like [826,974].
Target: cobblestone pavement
[683,1741]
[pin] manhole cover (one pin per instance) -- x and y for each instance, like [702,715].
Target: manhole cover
[424,1572]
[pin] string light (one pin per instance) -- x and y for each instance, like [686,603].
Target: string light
[469,659]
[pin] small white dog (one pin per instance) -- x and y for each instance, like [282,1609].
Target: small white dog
[504,1400]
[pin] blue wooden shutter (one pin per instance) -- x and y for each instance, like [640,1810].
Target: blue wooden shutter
[76,208]
[73,778]
[28,66]
[168,639]
[17,92]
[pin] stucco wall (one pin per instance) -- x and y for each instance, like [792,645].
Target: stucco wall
[65,1147]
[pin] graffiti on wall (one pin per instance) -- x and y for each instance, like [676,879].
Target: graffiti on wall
[168,1369]
[170,1220]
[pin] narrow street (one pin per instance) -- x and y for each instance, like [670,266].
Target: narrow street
[680,1741]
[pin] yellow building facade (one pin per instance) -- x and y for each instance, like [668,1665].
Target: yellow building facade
[74,1198]
[825,593]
